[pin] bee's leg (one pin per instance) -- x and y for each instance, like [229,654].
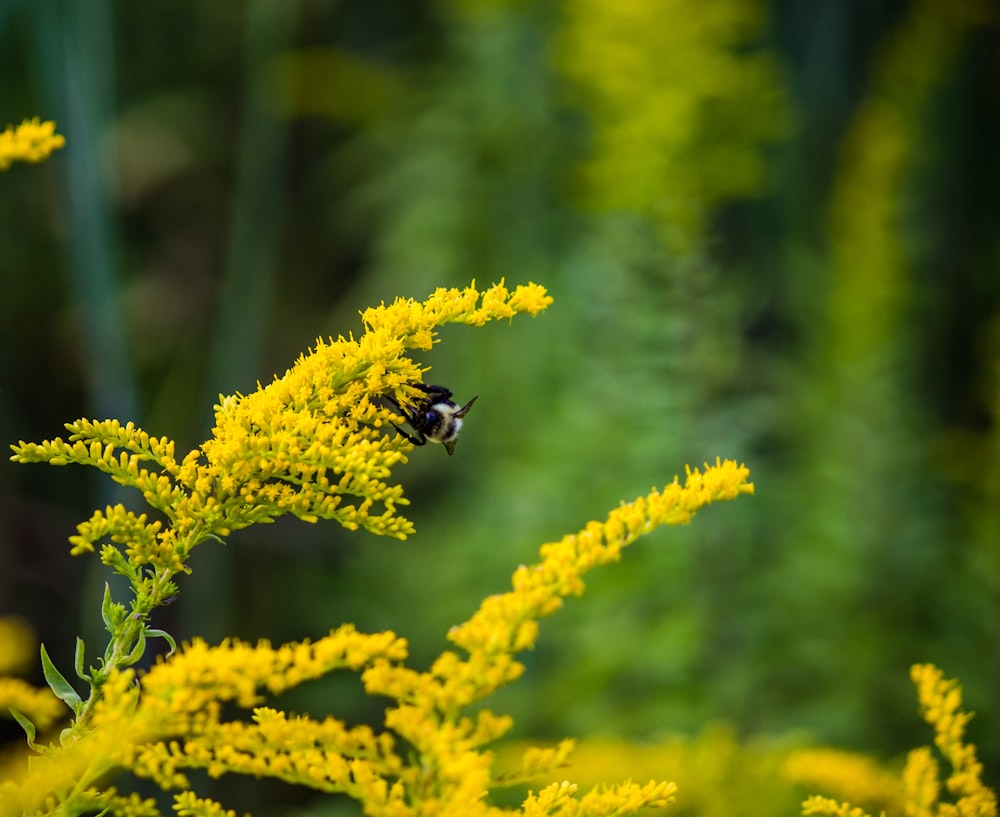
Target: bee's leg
[395,404]
[421,440]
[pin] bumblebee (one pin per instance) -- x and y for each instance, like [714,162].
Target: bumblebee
[435,417]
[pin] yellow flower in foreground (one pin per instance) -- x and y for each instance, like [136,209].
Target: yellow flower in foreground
[315,443]
[430,704]
[940,702]
[431,757]
[31,141]
[941,706]
[506,623]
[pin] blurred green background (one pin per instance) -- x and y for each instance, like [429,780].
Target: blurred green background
[771,232]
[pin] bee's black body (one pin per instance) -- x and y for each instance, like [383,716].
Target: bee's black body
[435,417]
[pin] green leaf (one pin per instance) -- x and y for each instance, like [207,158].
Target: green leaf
[27,726]
[137,650]
[165,635]
[78,661]
[110,612]
[59,685]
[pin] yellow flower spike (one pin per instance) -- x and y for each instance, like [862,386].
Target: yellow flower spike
[537,591]
[76,764]
[31,141]
[427,716]
[921,783]
[235,670]
[940,702]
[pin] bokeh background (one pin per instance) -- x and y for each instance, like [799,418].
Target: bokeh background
[772,232]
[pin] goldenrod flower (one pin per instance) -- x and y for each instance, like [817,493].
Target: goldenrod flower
[31,141]
[187,805]
[428,715]
[317,443]
[314,443]
[430,759]
[921,782]
[507,623]
[940,705]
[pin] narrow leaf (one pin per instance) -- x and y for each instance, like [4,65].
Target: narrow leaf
[137,650]
[59,685]
[78,661]
[107,609]
[164,635]
[26,725]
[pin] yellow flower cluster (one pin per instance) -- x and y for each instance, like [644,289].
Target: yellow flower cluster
[428,715]
[31,141]
[312,443]
[940,703]
[854,777]
[559,800]
[941,706]
[317,443]
[430,760]
[506,623]
[181,699]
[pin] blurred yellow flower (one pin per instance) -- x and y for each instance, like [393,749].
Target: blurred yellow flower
[854,777]
[681,105]
[39,705]
[31,141]
[18,647]
[940,703]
